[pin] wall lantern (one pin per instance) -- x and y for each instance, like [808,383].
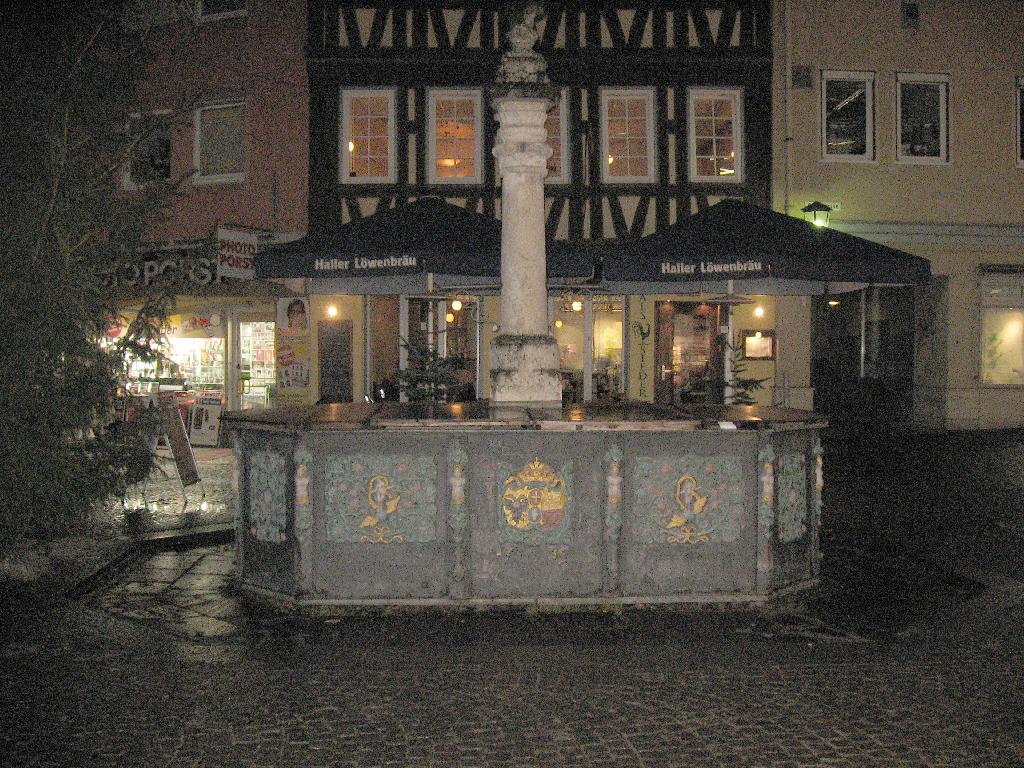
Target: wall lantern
[332,311]
[817,213]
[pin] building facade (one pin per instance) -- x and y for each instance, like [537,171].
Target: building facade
[662,109]
[906,118]
[223,114]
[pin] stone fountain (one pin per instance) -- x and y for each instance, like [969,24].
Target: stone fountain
[519,500]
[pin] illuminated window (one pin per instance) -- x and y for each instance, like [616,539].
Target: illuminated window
[558,168]
[847,115]
[627,135]
[1002,329]
[716,131]
[454,149]
[219,151]
[921,104]
[367,151]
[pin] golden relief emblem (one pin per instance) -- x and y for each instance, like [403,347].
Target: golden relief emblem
[535,498]
[383,501]
[681,528]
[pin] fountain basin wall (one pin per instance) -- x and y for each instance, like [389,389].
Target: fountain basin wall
[353,505]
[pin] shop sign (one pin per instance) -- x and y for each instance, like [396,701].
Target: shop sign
[235,252]
[366,265]
[709,267]
[165,265]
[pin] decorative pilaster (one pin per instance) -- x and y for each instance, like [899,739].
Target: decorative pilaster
[303,518]
[612,517]
[524,357]
[457,520]
[819,486]
[237,472]
[765,515]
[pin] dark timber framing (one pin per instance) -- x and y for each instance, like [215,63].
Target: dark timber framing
[414,45]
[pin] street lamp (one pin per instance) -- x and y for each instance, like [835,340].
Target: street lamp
[817,213]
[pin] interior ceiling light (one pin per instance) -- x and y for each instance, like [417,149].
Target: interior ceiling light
[577,305]
[456,305]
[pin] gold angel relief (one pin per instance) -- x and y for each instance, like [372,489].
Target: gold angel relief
[680,529]
[383,501]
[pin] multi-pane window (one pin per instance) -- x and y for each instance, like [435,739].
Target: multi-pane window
[219,152]
[558,167]
[922,118]
[847,115]
[716,131]
[627,135]
[1002,329]
[150,153]
[454,148]
[220,9]
[367,136]
[1020,121]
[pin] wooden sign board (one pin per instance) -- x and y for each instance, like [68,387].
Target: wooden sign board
[177,439]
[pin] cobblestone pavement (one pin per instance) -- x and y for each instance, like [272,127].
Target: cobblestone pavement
[160,503]
[911,654]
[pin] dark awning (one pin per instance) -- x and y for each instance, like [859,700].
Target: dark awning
[393,247]
[762,251]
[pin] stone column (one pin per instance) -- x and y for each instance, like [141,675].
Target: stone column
[524,356]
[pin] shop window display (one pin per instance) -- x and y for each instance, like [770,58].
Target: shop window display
[607,371]
[1002,330]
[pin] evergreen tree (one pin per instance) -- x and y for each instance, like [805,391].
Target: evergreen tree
[68,76]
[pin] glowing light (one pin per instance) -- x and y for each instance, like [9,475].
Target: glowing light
[758,311]
[577,306]
[449,317]
[559,323]
[610,159]
[204,506]
[351,146]
[456,305]
[819,222]
[332,311]
[833,302]
[758,335]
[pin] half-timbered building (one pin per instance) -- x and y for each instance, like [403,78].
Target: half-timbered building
[663,108]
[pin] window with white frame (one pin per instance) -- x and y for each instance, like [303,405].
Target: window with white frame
[716,134]
[453,152]
[627,135]
[921,106]
[1020,121]
[149,156]
[847,115]
[1002,329]
[219,149]
[212,10]
[556,124]
[367,136]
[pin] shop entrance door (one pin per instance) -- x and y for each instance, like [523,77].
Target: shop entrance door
[335,346]
[689,365]
[253,366]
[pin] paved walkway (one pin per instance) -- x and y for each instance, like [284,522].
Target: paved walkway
[161,504]
[911,654]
